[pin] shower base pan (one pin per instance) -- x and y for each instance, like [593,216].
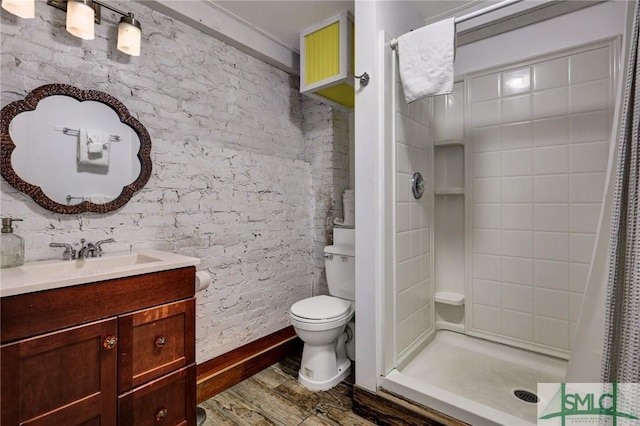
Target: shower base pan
[474,380]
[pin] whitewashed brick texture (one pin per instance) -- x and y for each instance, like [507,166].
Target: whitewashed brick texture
[247,175]
[328,152]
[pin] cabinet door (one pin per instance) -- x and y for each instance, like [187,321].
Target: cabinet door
[169,401]
[61,378]
[154,342]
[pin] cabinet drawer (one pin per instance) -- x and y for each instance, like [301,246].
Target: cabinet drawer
[65,377]
[168,401]
[30,314]
[154,342]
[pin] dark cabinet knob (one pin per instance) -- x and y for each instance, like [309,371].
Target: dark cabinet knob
[161,415]
[110,342]
[160,342]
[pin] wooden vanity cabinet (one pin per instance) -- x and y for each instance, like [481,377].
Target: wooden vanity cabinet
[117,352]
[60,378]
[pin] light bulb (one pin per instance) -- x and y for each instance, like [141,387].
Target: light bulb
[22,8]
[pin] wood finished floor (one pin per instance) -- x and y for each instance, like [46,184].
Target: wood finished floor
[274,397]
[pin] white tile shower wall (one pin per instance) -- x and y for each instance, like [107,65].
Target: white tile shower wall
[540,148]
[413,247]
[238,162]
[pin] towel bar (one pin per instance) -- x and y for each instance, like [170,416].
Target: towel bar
[74,132]
[71,197]
[394,42]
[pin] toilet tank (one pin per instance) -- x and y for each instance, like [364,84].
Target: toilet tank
[340,265]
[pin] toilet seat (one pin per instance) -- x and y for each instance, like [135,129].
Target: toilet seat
[321,309]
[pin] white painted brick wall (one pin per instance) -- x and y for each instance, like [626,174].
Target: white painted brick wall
[245,173]
[327,148]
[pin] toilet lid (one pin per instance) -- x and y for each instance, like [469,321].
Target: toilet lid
[321,308]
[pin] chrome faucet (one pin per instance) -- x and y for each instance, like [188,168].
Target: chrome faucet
[69,251]
[99,244]
[87,249]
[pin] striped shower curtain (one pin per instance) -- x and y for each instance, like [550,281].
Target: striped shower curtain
[621,358]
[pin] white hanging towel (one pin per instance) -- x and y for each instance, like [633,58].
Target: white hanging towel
[425,59]
[85,157]
[97,142]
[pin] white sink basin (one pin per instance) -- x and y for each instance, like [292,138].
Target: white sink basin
[50,274]
[96,265]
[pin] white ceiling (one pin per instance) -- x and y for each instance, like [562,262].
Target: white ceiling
[269,29]
[282,21]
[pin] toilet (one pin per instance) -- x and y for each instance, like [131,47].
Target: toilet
[325,323]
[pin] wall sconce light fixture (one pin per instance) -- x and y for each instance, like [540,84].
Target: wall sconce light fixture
[22,8]
[82,15]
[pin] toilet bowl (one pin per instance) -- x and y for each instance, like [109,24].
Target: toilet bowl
[320,323]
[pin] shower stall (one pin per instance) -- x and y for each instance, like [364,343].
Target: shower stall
[485,273]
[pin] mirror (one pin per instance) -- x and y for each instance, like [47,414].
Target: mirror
[74,150]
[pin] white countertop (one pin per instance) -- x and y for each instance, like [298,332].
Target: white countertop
[51,274]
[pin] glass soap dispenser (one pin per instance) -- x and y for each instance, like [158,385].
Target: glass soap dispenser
[11,245]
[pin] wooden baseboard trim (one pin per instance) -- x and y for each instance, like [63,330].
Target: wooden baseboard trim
[387,409]
[222,372]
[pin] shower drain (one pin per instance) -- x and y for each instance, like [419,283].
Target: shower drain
[526,396]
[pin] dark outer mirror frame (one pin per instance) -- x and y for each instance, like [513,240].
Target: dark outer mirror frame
[29,103]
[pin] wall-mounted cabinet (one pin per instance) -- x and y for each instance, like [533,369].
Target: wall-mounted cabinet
[327,61]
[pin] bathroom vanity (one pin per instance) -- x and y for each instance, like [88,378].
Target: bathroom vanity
[116,351]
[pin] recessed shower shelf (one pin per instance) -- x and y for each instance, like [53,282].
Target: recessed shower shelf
[448,298]
[448,142]
[449,191]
